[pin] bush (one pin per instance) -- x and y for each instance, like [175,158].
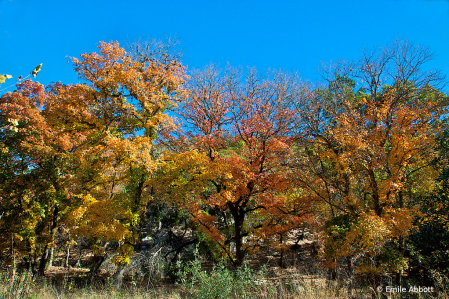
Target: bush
[222,282]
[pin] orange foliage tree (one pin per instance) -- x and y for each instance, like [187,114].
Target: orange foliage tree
[229,168]
[95,142]
[368,154]
[129,99]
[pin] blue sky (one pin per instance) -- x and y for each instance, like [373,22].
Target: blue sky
[292,35]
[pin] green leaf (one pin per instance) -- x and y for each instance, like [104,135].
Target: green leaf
[36,70]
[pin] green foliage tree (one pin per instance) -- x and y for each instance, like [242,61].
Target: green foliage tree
[33,169]
[428,245]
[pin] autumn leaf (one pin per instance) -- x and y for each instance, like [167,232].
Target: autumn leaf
[4,77]
[36,70]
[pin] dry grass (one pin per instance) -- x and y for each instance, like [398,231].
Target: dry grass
[304,287]
[24,286]
[303,279]
[60,285]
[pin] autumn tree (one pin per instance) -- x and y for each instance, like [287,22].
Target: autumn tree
[130,98]
[229,166]
[95,140]
[35,164]
[367,152]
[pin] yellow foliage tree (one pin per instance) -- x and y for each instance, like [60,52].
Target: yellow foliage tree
[129,100]
[79,155]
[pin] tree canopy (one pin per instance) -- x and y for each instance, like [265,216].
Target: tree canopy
[249,157]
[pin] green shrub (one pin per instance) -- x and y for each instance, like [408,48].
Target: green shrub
[222,282]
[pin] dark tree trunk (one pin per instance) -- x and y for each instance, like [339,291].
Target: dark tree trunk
[96,264]
[239,253]
[32,266]
[333,272]
[375,190]
[43,261]
[238,213]
[281,262]
[398,275]
[46,254]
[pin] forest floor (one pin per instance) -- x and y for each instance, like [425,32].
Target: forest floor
[299,274]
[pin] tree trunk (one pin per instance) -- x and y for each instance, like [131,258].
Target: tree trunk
[118,276]
[333,273]
[67,265]
[375,190]
[43,261]
[13,262]
[239,253]
[45,254]
[96,264]
[281,262]
[398,275]
[52,254]
[32,266]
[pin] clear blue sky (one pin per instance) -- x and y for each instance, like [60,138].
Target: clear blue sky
[292,35]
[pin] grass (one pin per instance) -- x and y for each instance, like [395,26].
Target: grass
[27,287]
[302,280]
[219,283]
[23,285]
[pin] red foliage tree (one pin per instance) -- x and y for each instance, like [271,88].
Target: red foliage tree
[231,171]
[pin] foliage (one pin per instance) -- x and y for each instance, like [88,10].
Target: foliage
[4,77]
[368,154]
[249,159]
[429,242]
[231,171]
[33,170]
[82,144]
[221,282]
[127,96]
